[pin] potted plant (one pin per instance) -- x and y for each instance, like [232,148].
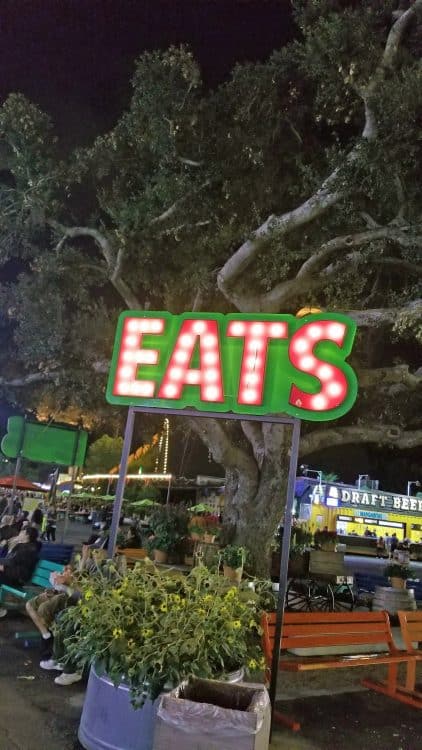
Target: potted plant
[197,522]
[169,526]
[325,540]
[212,528]
[398,574]
[233,559]
[146,632]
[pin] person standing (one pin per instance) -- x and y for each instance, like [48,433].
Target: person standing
[50,529]
[393,544]
[380,546]
[37,517]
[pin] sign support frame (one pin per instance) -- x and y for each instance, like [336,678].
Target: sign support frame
[288,510]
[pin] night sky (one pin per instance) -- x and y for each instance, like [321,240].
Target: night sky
[75,58]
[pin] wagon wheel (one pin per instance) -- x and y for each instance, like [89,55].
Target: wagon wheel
[322,597]
[344,598]
[298,596]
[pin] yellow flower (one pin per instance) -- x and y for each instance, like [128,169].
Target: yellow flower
[175,598]
[147,632]
[163,607]
[232,593]
[85,611]
[208,599]
[88,594]
[116,594]
[130,620]
[117,632]
[131,643]
[235,624]
[201,612]
[252,664]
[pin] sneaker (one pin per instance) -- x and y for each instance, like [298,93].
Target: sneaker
[3,612]
[68,679]
[51,664]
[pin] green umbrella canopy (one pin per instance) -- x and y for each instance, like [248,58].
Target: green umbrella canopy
[145,503]
[201,508]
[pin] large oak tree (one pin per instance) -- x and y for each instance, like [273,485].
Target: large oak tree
[295,183]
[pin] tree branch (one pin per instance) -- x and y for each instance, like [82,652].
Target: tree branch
[384,315]
[171,210]
[399,374]
[386,64]
[114,264]
[328,194]
[389,435]
[253,432]
[35,377]
[348,241]
[313,207]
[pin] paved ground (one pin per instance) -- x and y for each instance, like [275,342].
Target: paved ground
[335,712]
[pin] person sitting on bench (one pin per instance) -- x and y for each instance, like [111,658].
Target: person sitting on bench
[17,567]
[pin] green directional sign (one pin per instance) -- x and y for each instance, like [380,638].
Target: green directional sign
[47,443]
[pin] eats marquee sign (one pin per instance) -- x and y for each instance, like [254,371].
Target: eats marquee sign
[250,364]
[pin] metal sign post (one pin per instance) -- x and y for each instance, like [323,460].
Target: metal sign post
[284,562]
[118,500]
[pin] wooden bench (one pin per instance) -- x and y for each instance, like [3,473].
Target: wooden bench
[411,631]
[333,629]
[40,580]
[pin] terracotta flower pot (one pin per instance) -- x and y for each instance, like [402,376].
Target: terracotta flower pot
[233,574]
[398,583]
[160,555]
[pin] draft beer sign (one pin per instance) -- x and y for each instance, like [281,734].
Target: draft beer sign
[249,364]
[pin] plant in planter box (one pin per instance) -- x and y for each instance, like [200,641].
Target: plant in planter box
[324,539]
[212,527]
[153,629]
[398,574]
[197,523]
[169,527]
[233,559]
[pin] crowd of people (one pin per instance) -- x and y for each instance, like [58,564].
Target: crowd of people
[21,534]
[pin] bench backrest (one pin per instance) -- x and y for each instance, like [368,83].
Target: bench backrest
[411,628]
[319,629]
[41,574]
[59,553]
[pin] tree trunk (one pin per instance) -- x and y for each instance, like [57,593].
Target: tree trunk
[253,509]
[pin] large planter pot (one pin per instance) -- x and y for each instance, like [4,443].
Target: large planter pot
[233,574]
[109,721]
[398,583]
[160,555]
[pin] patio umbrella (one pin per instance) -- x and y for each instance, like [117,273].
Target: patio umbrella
[20,483]
[146,503]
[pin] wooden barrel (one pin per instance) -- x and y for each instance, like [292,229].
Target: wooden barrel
[393,599]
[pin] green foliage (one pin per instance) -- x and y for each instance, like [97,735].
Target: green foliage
[153,629]
[103,454]
[169,526]
[322,537]
[395,570]
[233,556]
